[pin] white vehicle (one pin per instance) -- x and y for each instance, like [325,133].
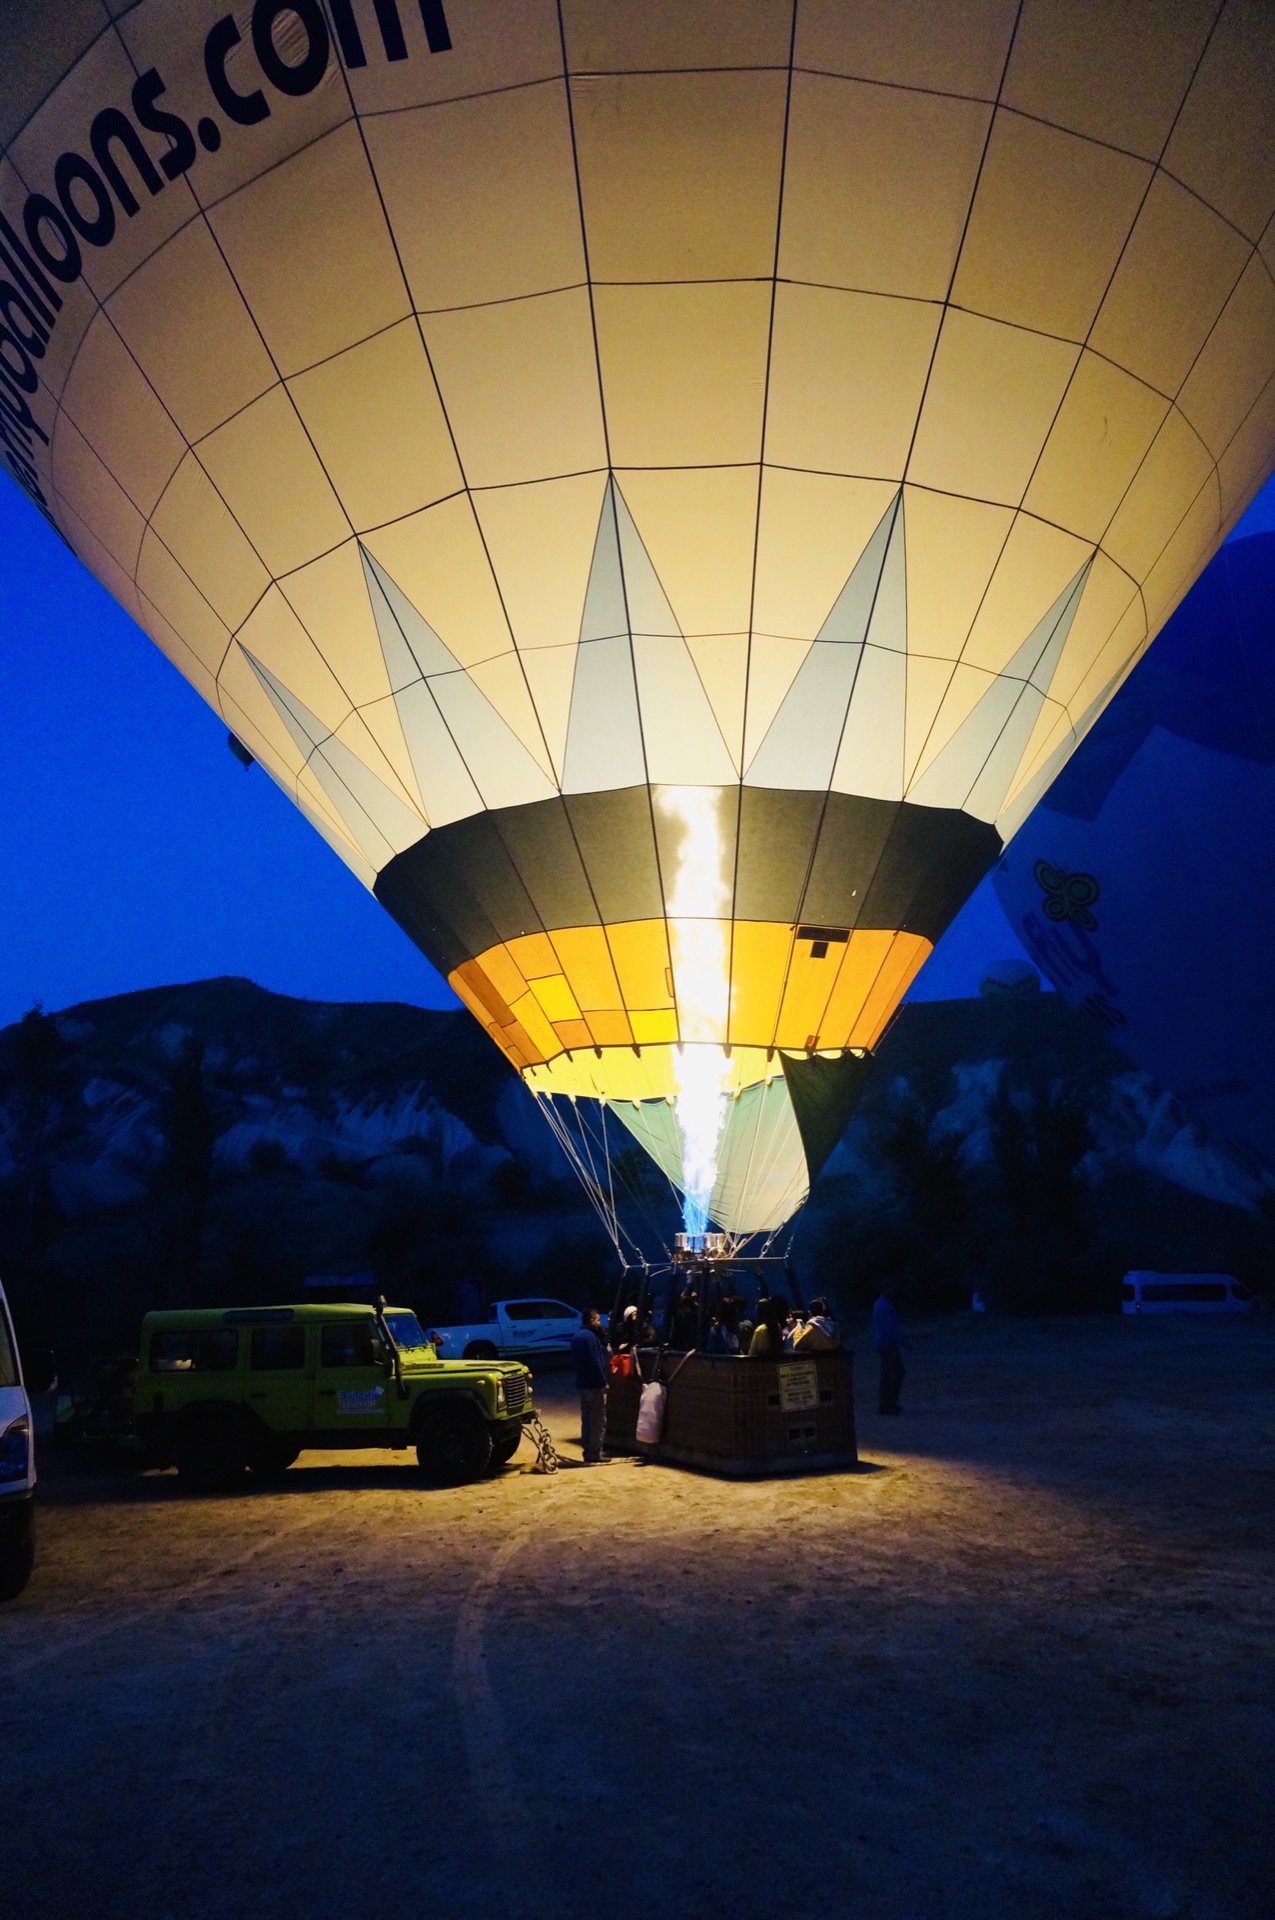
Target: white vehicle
[518,1329]
[17,1458]
[1184,1293]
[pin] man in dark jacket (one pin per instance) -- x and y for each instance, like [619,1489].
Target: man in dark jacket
[590,1357]
[887,1335]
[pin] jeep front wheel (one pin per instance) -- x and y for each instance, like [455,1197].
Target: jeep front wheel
[211,1456]
[504,1449]
[454,1446]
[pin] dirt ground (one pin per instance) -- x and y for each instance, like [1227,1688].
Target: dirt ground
[1018,1667]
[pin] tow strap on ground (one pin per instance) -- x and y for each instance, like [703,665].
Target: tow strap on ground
[542,1440]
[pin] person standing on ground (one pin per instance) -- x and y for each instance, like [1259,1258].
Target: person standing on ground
[590,1359]
[887,1333]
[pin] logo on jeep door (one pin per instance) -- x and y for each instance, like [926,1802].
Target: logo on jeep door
[368,1401]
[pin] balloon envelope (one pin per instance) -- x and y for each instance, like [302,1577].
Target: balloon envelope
[1144,882]
[662,489]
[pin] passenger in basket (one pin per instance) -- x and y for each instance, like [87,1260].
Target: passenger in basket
[628,1333]
[686,1320]
[820,1333]
[723,1335]
[591,1364]
[772,1319]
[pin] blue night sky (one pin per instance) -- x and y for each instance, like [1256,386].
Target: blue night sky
[138,852]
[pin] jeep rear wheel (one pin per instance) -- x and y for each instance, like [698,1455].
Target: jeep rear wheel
[479,1350]
[211,1455]
[454,1446]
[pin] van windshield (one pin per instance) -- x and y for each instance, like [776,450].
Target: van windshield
[8,1365]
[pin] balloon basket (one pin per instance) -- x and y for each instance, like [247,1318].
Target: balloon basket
[741,1418]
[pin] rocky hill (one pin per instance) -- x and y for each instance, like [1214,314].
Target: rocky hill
[213,1141]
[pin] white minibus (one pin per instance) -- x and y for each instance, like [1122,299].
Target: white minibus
[1184,1293]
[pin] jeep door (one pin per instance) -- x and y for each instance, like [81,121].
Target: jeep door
[351,1386]
[278,1382]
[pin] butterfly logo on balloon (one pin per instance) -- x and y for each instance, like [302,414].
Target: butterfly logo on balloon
[1068,896]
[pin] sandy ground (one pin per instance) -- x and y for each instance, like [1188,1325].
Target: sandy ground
[1020,1665]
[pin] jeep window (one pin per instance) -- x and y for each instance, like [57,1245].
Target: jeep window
[195,1350]
[406,1329]
[8,1366]
[525,1310]
[277,1349]
[350,1343]
[554,1310]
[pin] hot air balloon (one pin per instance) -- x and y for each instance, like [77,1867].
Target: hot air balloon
[662,488]
[1144,882]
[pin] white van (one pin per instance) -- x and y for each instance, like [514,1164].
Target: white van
[17,1458]
[1184,1293]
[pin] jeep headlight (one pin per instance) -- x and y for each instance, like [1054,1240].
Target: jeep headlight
[500,1396]
[15,1449]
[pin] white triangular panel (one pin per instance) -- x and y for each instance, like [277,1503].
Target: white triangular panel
[800,750]
[854,607]
[805,745]
[644,597]
[375,817]
[408,642]
[465,755]
[975,770]
[550,672]
[870,757]
[287,785]
[684,745]
[1039,783]
[604,738]
[344,849]
[378,822]
[502,769]
[447,790]
[305,727]
[888,617]
[605,614]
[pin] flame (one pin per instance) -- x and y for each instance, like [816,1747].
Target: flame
[698,909]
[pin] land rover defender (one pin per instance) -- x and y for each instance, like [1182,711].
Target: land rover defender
[224,1392]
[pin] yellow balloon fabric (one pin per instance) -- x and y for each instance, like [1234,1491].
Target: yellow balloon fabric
[662,487]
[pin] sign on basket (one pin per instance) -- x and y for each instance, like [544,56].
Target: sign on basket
[798,1386]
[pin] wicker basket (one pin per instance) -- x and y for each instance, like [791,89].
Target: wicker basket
[745,1418]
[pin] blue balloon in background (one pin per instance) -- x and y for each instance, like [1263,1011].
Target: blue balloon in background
[1143,884]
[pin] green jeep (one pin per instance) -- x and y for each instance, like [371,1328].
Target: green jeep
[221,1392]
